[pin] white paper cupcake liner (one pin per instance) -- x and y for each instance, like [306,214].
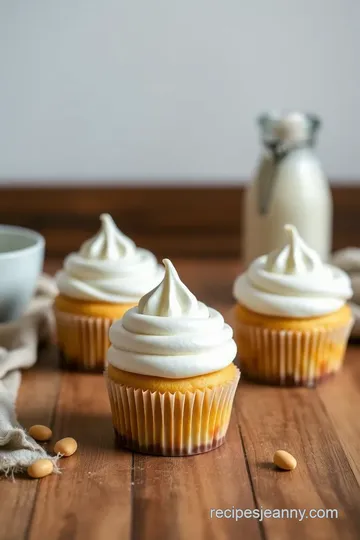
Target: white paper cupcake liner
[286,357]
[178,424]
[82,341]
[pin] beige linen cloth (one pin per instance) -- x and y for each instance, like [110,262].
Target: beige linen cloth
[19,342]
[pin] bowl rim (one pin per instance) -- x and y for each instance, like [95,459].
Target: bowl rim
[13,230]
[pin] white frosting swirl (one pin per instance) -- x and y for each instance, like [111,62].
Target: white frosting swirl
[292,281]
[109,268]
[170,334]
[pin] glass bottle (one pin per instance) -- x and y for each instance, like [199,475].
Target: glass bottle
[289,187]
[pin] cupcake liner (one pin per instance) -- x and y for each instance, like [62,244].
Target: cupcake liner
[289,358]
[171,424]
[82,341]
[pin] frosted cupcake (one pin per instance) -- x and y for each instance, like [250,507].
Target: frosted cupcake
[98,285]
[292,320]
[171,377]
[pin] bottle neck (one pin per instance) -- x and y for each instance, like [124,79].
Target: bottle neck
[283,134]
[280,149]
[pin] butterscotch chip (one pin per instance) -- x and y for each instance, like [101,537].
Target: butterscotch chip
[40,432]
[284,460]
[40,468]
[67,446]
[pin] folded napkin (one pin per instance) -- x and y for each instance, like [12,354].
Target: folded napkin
[349,260]
[19,342]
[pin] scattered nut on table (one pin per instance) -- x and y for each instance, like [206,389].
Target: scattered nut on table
[40,433]
[67,446]
[40,468]
[284,460]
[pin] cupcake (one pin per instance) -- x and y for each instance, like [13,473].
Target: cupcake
[96,286]
[171,377]
[348,259]
[292,320]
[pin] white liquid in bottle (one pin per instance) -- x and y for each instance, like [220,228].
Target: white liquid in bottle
[289,187]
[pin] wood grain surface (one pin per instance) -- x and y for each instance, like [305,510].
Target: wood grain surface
[107,494]
[183,222]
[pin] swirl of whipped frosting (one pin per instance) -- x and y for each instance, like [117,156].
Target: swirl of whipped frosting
[109,268]
[170,334]
[292,281]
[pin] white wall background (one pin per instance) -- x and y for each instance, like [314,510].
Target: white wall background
[126,90]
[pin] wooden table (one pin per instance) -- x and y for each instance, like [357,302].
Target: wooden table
[105,493]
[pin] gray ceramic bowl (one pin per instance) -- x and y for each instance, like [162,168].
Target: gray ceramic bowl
[21,262]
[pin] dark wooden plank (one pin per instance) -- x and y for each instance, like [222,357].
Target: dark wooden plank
[188,221]
[173,497]
[91,499]
[36,405]
[168,221]
[295,420]
[164,244]
[341,398]
[187,489]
